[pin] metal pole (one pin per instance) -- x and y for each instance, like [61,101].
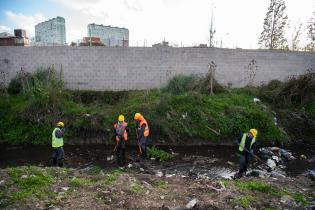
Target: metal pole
[90,37]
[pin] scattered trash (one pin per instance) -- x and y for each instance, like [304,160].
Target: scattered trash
[259,173]
[275,120]
[174,153]
[311,207]
[275,158]
[162,197]
[257,100]
[129,165]
[277,154]
[274,149]
[159,174]
[271,164]
[277,174]
[303,157]
[230,163]
[267,153]
[110,158]
[286,154]
[311,174]
[65,188]
[179,208]
[141,169]
[191,203]
[311,160]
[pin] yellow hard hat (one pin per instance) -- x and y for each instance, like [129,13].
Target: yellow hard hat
[254,132]
[121,118]
[137,116]
[60,124]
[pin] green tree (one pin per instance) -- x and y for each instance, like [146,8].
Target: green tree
[272,36]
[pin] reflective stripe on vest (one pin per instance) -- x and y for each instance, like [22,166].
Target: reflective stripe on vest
[242,144]
[124,131]
[56,142]
[146,130]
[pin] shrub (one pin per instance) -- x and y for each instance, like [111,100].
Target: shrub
[158,154]
[181,83]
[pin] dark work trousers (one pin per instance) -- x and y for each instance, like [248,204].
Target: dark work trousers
[244,163]
[143,144]
[120,152]
[58,156]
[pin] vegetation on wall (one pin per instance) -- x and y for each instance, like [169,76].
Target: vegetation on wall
[182,112]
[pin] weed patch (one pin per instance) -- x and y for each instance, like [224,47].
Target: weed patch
[258,186]
[136,188]
[112,176]
[80,182]
[29,180]
[246,201]
[162,185]
[158,154]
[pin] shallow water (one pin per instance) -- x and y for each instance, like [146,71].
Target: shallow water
[210,161]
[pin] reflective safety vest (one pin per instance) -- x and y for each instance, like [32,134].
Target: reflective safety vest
[146,130]
[56,142]
[121,130]
[242,144]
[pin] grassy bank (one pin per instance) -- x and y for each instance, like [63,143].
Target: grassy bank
[182,112]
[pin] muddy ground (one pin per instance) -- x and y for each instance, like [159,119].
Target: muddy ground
[146,185]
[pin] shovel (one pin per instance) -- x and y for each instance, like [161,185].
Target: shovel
[257,158]
[140,150]
[111,156]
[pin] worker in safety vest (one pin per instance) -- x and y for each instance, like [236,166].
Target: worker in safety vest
[57,144]
[246,143]
[142,133]
[121,136]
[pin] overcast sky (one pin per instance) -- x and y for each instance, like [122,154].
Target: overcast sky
[181,22]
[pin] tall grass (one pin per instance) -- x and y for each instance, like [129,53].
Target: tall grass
[179,113]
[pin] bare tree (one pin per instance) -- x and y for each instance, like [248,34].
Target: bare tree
[272,36]
[311,33]
[296,37]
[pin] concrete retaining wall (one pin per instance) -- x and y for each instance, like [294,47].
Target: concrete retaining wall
[101,68]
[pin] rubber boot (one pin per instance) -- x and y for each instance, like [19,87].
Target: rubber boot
[54,161]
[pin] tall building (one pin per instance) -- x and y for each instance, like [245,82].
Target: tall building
[110,36]
[51,32]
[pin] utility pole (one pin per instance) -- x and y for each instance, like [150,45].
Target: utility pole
[212,30]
